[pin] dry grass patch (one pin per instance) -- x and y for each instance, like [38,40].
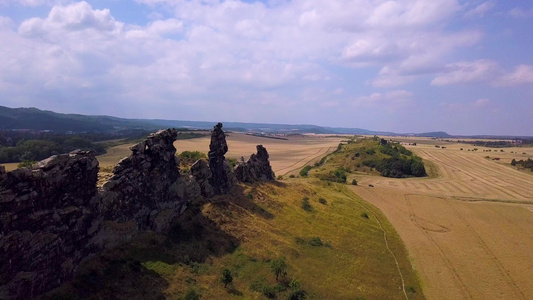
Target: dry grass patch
[331,252]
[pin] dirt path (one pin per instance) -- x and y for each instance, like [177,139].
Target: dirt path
[469,231]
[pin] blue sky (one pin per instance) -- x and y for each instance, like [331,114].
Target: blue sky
[465,67]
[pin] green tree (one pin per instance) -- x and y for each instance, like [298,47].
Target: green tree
[279,267]
[226,277]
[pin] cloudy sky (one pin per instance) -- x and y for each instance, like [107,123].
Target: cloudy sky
[465,67]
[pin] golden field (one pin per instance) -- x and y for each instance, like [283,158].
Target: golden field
[469,228]
[286,156]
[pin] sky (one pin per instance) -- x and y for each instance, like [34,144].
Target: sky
[407,66]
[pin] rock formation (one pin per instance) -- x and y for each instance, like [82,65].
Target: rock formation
[201,173]
[53,216]
[257,168]
[47,219]
[146,183]
[221,175]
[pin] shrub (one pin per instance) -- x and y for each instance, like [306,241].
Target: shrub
[298,294]
[316,242]
[232,162]
[305,171]
[354,182]
[190,157]
[26,164]
[340,174]
[279,267]
[306,205]
[279,177]
[322,201]
[364,215]
[269,291]
[292,176]
[191,295]
[226,277]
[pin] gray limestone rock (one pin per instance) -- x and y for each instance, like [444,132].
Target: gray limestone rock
[257,168]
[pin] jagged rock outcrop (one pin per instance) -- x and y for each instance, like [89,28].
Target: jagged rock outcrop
[145,184]
[202,175]
[53,216]
[257,168]
[47,218]
[222,179]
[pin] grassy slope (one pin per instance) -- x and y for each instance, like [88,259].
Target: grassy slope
[244,232]
[366,149]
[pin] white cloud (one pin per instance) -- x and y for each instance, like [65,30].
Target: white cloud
[481,102]
[391,99]
[466,72]
[466,107]
[71,18]
[216,51]
[518,12]
[412,13]
[32,2]
[523,74]
[481,9]
[5,23]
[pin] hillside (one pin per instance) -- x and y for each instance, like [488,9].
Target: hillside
[334,246]
[370,156]
[35,119]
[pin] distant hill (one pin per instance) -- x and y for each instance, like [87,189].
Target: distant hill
[436,134]
[36,119]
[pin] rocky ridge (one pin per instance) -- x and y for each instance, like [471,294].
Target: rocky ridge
[53,216]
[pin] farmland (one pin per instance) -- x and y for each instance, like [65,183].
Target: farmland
[286,156]
[469,228]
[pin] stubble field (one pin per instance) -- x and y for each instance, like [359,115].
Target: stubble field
[286,156]
[469,229]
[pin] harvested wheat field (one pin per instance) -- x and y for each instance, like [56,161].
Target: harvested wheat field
[469,230]
[286,156]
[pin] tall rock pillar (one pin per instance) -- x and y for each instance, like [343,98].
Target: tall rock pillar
[221,179]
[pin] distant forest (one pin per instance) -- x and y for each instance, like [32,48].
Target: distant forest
[20,146]
[499,144]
